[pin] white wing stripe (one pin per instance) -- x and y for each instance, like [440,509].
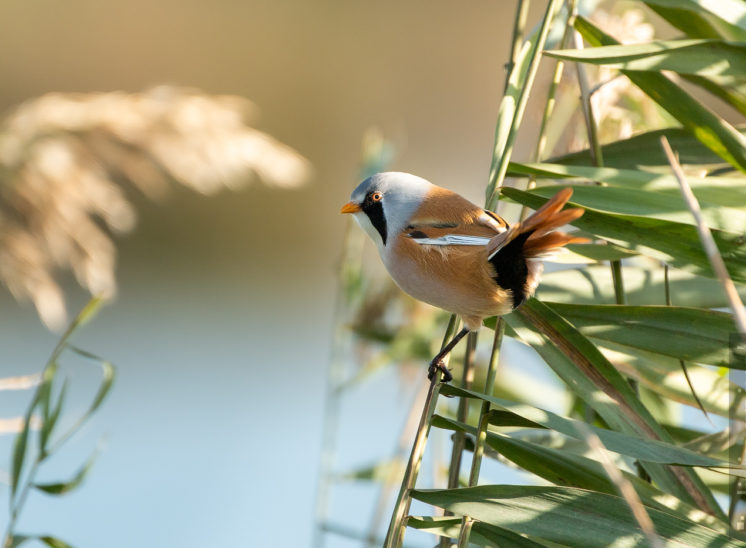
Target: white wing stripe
[453,239]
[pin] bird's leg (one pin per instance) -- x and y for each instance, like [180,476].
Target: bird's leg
[438,364]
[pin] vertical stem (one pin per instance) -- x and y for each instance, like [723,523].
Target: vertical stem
[504,141]
[395,533]
[621,298]
[476,462]
[585,101]
[519,28]
[597,158]
[467,378]
[463,411]
[616,275]
[666,285]
[594,146]
[684,370]
[489,385]
[463,537]
[541,143]
[735,488]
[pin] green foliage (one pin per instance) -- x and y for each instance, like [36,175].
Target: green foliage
[569,516]
[47,404]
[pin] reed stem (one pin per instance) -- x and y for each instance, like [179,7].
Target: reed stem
[395,533]
[513,106]
[476,461]
[718,266]
[519,29]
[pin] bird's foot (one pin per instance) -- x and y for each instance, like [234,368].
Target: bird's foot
[439,365]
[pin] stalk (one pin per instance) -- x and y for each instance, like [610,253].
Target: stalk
[513,106]
[395,533]
[476,461]
[462,413]
[718,266]
[519,29]
[669,302]
[541,143]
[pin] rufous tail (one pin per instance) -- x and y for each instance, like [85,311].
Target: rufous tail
[541,225]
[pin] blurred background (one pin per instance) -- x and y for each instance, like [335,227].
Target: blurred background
[223,319]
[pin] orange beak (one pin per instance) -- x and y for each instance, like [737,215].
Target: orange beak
[350,207]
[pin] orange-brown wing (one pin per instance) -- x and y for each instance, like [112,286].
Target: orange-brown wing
[449,219]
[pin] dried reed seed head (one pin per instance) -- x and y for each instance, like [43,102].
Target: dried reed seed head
[64,156]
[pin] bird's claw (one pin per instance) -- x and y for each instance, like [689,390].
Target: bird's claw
[439,366]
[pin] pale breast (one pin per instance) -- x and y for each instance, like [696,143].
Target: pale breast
[455,278]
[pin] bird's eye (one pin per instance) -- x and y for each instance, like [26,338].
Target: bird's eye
[376,196]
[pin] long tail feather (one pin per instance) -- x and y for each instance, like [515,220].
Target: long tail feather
[547,211]
[540,246]
[541,225]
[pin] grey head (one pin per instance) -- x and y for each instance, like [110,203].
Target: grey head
[386,203]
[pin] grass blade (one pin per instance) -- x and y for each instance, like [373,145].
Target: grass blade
[570,516]
[61,488]
[688,56]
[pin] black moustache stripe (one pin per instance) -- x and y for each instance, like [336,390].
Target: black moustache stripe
[374,211]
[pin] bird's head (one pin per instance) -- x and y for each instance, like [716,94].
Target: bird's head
[383,203]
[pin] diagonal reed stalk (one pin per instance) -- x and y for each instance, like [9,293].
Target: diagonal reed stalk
[708,243]
[395,533]
[718,266]
[623,485]
[476,461]
[457,451]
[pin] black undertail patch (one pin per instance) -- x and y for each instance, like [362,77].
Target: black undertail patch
[511,268]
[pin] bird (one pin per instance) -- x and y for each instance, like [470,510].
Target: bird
[442,249]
